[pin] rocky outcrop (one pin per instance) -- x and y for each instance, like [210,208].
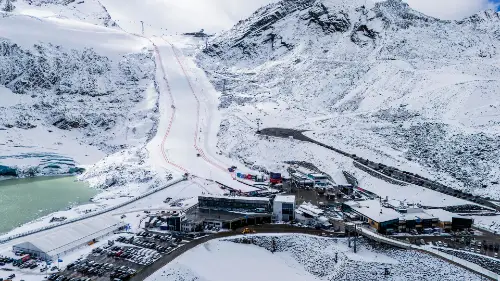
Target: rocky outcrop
[78,90]
[329,21]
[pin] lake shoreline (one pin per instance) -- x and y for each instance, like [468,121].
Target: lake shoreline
[27,200]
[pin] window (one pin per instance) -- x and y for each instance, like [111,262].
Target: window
[287,209]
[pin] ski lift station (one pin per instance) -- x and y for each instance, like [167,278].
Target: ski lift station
[51,243]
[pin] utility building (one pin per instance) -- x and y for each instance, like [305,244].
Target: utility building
[284,207]
[450,221]
[51,243]
[384,220]
[416,218]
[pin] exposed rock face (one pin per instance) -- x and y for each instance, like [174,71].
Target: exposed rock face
[329,22]
[74,90]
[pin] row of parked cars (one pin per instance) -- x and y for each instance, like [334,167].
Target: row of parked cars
[92,268]
[212,228]
[142,256]
[31,264]
[171,243]
[59,277]
[5,260]
[163,238]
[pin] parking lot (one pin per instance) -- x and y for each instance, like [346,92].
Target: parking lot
[484,245]
[123,258]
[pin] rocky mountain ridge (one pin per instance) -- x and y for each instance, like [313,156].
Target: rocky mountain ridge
[385,82]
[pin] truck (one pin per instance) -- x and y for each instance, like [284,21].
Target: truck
[247,231]
[22,259]
[275,178]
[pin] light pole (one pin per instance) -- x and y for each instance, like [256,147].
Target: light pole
[259,122]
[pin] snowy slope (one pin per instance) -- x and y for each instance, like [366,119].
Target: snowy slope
[90,11]
[72,92]
[79,93]
[302,257]
[378,80]
[172,16]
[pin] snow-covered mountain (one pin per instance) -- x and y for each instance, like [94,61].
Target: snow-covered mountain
[71,93]
[90,11]
[379,80]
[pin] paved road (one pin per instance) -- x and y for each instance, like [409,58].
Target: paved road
[298,134]
[142,275]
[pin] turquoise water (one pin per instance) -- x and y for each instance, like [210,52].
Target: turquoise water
[24,200]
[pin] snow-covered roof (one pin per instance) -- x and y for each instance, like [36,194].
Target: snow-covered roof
[285,198]
[339,178]
[373,210]
[443,215]
[317,175]
[396,203]
[417,215]
[298,175]
[310,209]
[243,198]
[64,238]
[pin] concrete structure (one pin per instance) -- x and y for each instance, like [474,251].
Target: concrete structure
[66,238]
[284,208]
[450,221]
[384,220]
[416,218]
[173,222]
[235,203]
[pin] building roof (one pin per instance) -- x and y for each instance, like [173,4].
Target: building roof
[339,178]
[298,175]
[285,198]
[317,175]
[443,215]
[61,239]
[243,198]
[396,203]
[373,210]
[310,209]
[417,215]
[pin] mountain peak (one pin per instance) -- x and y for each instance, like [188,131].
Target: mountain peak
[482,16]
[401,14]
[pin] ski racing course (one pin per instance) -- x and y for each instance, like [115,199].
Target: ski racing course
[188,126]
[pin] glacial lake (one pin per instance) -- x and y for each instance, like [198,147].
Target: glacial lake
[24,200]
